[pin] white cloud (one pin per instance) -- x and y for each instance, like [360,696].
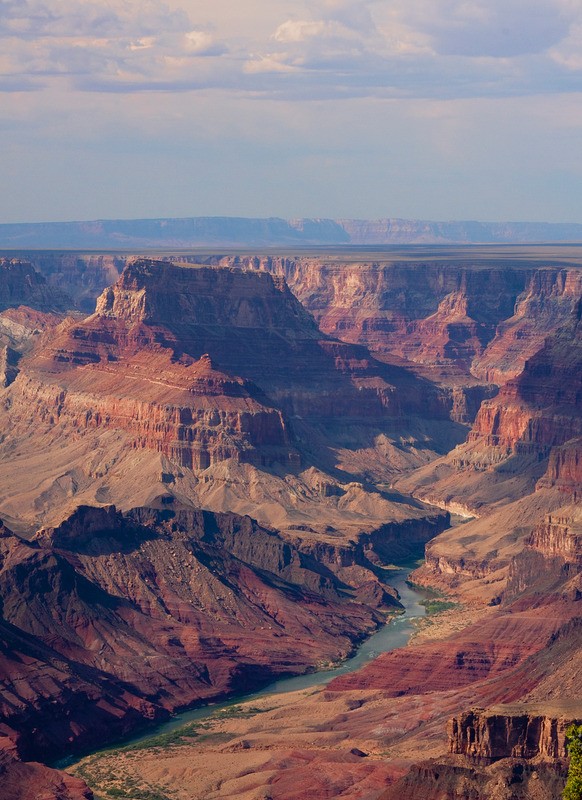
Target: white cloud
[304,30]
[131,42]
[295,49]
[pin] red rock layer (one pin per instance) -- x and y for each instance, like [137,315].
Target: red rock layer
[550,298]
[425,312]
[453,779]
[565,469]
[23,781]
[509,732]
[542,408]
[110,620]
[479,652]
[486,320]
[559,535]
[161,357]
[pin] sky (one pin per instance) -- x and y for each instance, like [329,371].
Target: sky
[424,109]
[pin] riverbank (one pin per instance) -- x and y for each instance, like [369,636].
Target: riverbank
[396,633]
[196,749]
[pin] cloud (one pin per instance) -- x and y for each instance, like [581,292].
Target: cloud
[477,28]
[324,49]
[131,43]
[430,48]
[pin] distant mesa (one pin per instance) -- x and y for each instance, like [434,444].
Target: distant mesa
[194,231]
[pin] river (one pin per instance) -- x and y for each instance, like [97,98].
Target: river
[391,636]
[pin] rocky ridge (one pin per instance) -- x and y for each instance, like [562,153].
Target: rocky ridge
[191,370]
[110,620]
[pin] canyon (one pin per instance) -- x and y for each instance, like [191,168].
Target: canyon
[206,463]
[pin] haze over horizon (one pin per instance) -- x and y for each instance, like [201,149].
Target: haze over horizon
[441,110]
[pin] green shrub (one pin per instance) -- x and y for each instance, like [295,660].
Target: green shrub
[573,790]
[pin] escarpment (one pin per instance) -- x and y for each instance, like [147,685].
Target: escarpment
[22,285]
[425,312]
[460,318]
[134,615]
[542,407]
[512,732]
[549,300]
[521,457]
[191,369]
[564,469]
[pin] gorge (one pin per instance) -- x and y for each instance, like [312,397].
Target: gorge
[207,463]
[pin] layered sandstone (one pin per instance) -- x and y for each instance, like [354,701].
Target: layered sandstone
[564,469]
[487,735]
[542,407]
[190,320]
[503,752]
[550,298]
[219,380]
[535,417]
[110,620]
[430,313]
[22,285]
[560,535]
[481,318]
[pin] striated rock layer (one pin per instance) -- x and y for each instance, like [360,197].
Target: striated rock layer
[496,754]
[461,317]
[221,370]
[110,620]
[511,732]
[22,285]
[519,464]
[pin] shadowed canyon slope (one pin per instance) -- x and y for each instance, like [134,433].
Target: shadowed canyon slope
[214,385]
[467,316]
[109,620]
[520,463]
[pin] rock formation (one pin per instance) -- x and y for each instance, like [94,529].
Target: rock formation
[496,754]
[500,732]
[220,382]
[213,386]
[110,620]
[22,285]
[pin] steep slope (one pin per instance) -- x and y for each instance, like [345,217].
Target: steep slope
[519,464]
[22,285]
[458,317]
[111,620]
[216,386]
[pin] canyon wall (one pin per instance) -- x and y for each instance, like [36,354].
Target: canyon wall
[483,319]
[110,620]
[22,285]
[489,735]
